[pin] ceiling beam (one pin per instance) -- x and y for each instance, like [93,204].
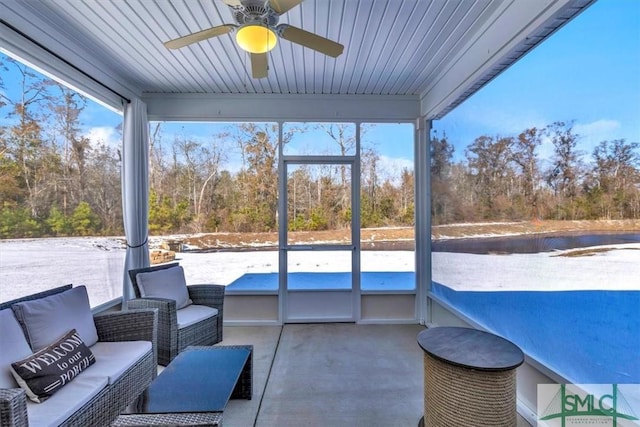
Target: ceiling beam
[49,51]
[276,107]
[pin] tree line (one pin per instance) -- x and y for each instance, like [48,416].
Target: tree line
[55,181]
[503,178]
[193,189]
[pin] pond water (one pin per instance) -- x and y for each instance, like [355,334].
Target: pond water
[532,244]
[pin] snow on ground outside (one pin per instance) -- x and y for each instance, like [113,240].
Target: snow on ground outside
[32,265]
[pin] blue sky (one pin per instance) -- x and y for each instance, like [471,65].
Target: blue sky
[588,72]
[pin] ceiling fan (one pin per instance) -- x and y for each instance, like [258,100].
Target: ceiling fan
[257,32]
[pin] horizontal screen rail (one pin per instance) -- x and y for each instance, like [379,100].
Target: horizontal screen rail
[319,247]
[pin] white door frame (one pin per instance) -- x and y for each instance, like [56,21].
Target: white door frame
[321,301]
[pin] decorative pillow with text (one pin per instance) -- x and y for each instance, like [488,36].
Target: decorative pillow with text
[47,371]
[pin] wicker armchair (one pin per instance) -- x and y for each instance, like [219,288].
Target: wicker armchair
[172,336]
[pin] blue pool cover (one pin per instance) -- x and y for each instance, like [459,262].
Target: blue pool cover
[369,281]
[590,337]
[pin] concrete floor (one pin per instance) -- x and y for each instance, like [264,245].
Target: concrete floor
[331,374]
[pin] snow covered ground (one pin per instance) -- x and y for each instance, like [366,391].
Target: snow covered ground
[33,265]
[616,269]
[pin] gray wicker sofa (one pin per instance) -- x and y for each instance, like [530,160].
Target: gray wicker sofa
[125,362]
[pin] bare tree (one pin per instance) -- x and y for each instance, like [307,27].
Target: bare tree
[25,144]
[103,181]
[66,108]
[343,134]
[489,162]
[407,199]
[563,176]
[615,177]
[200,172]
[526,158]
[441,162]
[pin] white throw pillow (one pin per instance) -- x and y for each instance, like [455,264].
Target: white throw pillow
[46,319]
[13,346]
[167,283]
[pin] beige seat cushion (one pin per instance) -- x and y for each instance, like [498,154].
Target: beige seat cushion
[114,358]
[193,314]
[65,402]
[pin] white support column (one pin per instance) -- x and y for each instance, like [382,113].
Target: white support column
[422,196]
[356,224]
[282,227]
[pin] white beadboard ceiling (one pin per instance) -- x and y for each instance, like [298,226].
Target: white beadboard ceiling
[439,51]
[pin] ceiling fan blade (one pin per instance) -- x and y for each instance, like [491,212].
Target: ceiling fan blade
[233,3]
[259,66]
[282,6]
[199,36]
[310,40]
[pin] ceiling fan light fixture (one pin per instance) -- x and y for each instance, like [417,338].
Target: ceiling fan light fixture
[256,38]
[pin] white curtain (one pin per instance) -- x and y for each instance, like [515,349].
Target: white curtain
[135,190]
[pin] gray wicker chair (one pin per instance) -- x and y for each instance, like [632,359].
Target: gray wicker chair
[171,339]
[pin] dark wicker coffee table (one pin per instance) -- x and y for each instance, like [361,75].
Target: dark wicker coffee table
[193,390]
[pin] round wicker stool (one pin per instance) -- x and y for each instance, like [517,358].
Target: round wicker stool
[469,378]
